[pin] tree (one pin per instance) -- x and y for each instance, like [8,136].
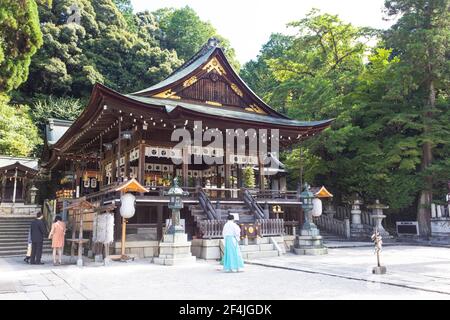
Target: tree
[126,8]
[182,30]
[421,39]
[99,49]
[20,37]
[258,75]
[53,107]
[18,134]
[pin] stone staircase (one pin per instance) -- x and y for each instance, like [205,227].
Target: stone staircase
[14,236]
[265,248]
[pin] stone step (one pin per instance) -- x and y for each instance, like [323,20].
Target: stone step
[21,247]
[14,232]
[257,247]
[8,228]
[11,253]
[259,254]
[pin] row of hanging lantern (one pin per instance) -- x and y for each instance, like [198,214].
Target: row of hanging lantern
[155,122]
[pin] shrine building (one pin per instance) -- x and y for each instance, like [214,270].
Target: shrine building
[119,137]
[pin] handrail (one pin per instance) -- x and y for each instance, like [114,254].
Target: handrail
[254,207]
[206,205]
[333,225]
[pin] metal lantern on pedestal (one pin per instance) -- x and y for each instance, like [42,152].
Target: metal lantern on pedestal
[307,204]
[176,204]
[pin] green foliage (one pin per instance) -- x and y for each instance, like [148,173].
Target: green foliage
[18,134]
[182,30]
[53,107]
[20,37]
[259,77]
[377,98]
[249,177]
[126,8]
[102,48]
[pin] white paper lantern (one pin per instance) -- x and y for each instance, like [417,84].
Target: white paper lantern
[317,207]
[127,207]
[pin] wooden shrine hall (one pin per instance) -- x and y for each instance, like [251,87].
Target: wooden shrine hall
[123,136]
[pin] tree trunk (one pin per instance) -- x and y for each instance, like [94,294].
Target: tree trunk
[426,195]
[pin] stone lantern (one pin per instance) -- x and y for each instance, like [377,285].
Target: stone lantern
[176,204]
[175,249]
[357,228]
[33,194]
[378,216]
[308,241]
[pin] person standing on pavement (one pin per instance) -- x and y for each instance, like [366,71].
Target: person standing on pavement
[57,235]
[232,258]
[37,231]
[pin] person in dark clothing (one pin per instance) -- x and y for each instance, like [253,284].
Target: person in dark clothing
[37,231]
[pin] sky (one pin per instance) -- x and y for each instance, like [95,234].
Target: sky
[249,23]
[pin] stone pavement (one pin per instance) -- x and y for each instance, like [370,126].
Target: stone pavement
[416,267]
[345,273]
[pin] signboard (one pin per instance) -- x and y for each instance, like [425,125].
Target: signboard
[407,228]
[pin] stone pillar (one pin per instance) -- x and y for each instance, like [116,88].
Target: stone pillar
[356,211]
[357,228]
[433,210]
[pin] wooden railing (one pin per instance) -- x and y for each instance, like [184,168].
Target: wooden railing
[211,229]
[274,194]
[254,207]
[342,213]
[366,219]
[271,227]
[332,225]
[440,211]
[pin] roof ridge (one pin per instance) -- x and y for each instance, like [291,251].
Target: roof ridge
[211,44]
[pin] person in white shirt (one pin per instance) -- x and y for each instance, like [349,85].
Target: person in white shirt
[232,258]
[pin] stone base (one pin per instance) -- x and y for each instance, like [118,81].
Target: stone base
[174,250]
[379,270]
[141,249]
[309,242]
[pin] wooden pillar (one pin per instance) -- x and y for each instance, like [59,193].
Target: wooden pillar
[15,187]
[3,187]
[127,165]
[159,222]
[24,181]
[261,174]
[118,149]
[141,163]
[185,167]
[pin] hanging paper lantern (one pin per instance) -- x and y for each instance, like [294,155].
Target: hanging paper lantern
[317,207]
[127,205]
